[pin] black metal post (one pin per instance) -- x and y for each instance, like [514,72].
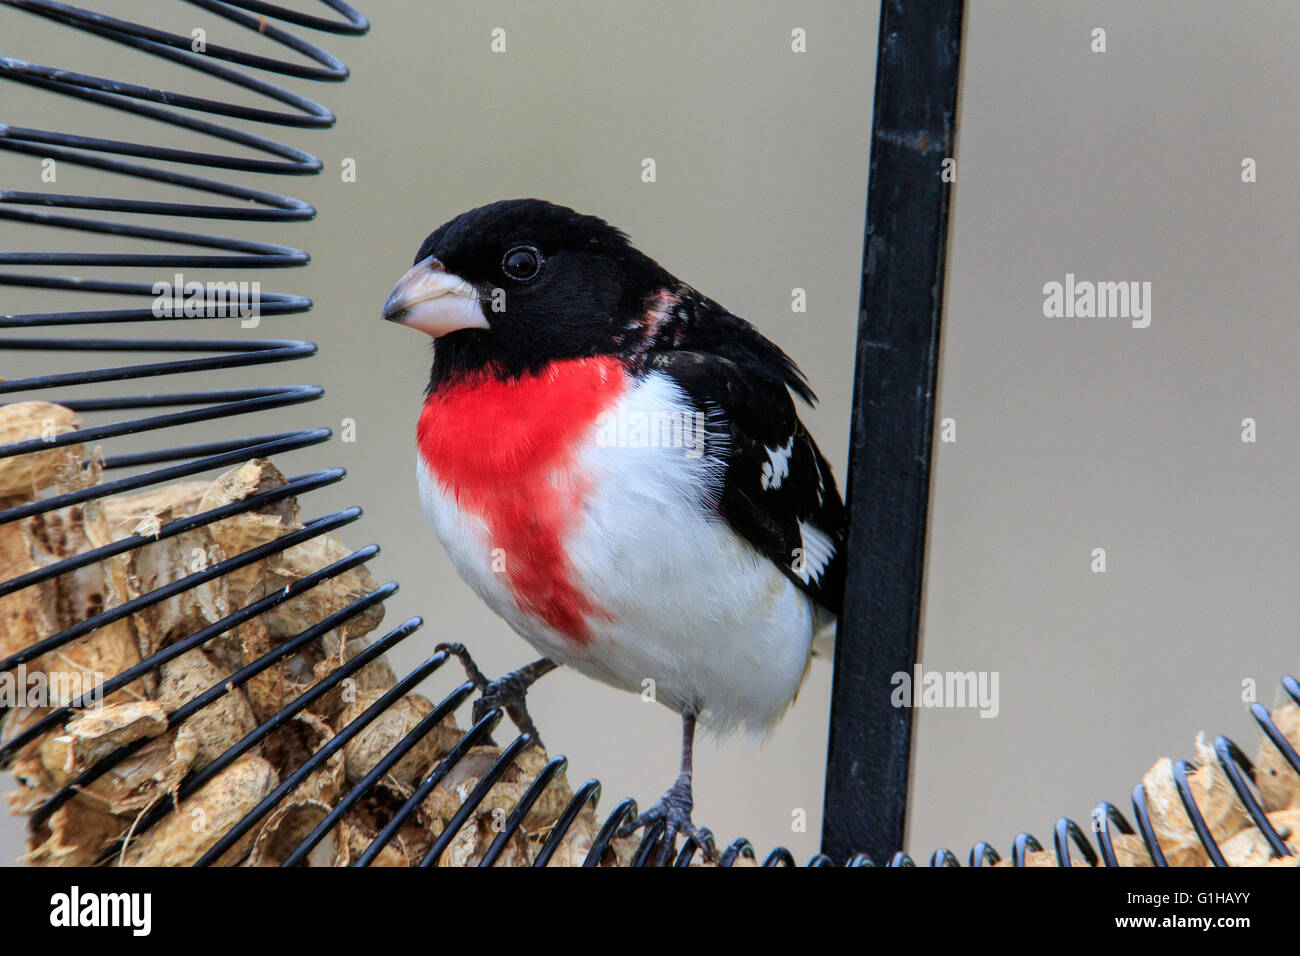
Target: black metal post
[913,129]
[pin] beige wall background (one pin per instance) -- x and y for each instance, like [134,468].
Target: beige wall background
[1072,434]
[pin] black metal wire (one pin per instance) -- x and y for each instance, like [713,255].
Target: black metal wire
[887,490]
[208,405]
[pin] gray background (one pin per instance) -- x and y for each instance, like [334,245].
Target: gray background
[1072,433]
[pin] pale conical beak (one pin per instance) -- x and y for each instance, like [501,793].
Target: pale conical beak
[431,299]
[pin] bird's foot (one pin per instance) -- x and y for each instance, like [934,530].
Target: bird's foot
[673,810]
[508,692]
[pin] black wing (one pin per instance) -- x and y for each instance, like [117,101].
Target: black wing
[778,492]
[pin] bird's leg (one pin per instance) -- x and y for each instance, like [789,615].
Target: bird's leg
[506,692]
[674,807]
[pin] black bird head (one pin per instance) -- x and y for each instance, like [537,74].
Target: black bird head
[519,283]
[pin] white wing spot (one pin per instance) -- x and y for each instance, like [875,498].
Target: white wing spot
[777,465]
[818,549]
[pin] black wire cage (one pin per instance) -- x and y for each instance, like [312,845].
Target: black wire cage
[914,127]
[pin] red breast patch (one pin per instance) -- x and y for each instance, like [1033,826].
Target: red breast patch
[505,450]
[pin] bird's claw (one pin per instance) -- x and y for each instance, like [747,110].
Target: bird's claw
[507,693]
[673,810]
[460,651]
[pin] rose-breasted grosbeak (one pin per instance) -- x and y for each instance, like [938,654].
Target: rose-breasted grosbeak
[614,463]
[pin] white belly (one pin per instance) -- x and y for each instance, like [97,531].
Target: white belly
[694,614]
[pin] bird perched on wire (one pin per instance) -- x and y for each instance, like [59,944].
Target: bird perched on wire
[615,464]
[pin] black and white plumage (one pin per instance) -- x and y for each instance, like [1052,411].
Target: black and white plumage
[778,490]
[704,564]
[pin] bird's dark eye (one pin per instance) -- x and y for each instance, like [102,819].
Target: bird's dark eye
[522,263]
